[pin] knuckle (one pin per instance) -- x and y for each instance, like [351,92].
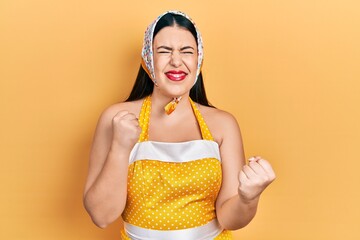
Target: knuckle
[259,182]
[268,180]
[256,182]
[116,118]
[120,121]
[272,177]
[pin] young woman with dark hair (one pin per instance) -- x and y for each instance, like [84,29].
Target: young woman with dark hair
[144,85]
[167,161]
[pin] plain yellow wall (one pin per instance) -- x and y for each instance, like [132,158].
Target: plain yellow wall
[288,70]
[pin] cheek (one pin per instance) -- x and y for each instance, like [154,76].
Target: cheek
[191,63]
[160,62]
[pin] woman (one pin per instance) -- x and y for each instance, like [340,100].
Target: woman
[180,174]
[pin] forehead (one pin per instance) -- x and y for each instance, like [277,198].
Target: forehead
[174,35]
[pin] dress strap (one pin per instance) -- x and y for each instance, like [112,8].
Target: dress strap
[205,132]
[144,119]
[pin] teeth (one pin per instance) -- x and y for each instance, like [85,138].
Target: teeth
[178,75]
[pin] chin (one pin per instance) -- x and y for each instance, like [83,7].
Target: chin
[173,94]
[175,91]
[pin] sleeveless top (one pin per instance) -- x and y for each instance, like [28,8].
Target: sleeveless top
[172,187]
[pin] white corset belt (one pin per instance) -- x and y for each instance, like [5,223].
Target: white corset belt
[206,232]
[175,152]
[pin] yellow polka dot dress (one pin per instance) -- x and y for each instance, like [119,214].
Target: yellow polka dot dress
[172,187]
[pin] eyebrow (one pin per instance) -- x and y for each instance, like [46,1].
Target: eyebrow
[181,49]
[187,47]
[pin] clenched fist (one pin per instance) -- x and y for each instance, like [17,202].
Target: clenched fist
[254,178]
[126,129]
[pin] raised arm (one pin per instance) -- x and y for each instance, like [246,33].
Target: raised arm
[242,184]
[106,186]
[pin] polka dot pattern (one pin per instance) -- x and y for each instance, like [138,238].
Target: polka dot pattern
[172,195]
[225,235]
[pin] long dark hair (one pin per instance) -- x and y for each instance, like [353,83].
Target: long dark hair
[144,86]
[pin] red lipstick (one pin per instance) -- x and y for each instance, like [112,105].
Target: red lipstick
[174,75]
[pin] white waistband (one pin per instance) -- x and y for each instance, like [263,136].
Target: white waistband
[206,232]
[175,152]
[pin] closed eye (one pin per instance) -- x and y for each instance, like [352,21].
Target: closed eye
[187,52]
[164,49]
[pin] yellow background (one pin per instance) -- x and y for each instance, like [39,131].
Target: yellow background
[288,70]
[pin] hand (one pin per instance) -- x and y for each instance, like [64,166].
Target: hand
[126,129]
[254,178]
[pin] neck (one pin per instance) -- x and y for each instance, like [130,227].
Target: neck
[158,102]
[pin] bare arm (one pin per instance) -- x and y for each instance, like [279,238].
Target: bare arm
[106,186]
[242,184]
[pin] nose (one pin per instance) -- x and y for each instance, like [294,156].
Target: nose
[176,59]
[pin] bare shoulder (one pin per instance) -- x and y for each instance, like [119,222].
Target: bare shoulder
[220,122]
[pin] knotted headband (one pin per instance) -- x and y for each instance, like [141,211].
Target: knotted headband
[147,50]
